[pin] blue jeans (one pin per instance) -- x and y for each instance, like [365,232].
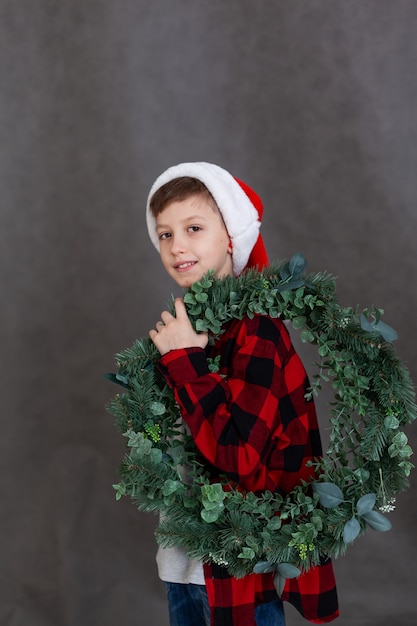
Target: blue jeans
[188,606]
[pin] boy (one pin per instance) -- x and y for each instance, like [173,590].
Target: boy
[250,420]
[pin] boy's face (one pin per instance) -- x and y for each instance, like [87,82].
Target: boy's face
[193,240]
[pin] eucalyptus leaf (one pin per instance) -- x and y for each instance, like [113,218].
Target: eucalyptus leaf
[189,298]
[279,583]
[274,523]
[156,455]
[201,297]
[247,553]
[377,326]
[209,314]
[377,521]
[405,452]
[351,530]
[330,495]
[400,439]
[393,450]
[209,505]
[201,326]
[307,336]
[116,378]
[195,309]
[366,324]
[252,542]
[288,570]
[207,280]
[213,492]
[263,567]
[299,322]
[292,284]
[197,287]
[209,516]
[323,350]
[171,486]
[285,272]
[366,503]
[157,408]
[122,378]
[387,333]
[391,422]
[297,264]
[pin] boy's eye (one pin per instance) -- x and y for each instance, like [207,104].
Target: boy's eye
[163,236]
[194,229]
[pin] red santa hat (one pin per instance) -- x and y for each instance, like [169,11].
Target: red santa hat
[240,206]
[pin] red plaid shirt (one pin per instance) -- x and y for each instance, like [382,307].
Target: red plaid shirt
[251,421]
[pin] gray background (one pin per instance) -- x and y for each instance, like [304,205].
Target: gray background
[312,103]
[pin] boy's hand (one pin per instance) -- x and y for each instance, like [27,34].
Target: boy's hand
[174,333]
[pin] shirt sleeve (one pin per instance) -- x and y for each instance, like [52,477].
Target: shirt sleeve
[237,422]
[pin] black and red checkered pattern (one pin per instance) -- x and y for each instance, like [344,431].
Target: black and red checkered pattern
[233,600]
[251,421]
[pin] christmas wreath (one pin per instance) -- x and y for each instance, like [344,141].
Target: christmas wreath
[364,468]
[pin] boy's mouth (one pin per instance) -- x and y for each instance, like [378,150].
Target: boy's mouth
[184,265]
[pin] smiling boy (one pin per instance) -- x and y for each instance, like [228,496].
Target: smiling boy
[251,420]
[193,238]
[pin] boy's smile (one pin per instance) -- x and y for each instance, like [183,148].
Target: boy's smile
[193,240]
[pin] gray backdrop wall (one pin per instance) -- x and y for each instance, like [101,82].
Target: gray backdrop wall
[312,103]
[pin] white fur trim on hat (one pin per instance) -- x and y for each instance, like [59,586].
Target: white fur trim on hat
[238,212]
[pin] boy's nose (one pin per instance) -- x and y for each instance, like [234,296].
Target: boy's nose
[177,244]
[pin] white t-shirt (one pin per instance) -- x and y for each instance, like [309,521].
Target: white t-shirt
[174,566]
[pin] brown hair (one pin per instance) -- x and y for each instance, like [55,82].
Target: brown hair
[177,190]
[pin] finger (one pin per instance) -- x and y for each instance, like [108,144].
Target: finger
[180,309]
[166,317]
